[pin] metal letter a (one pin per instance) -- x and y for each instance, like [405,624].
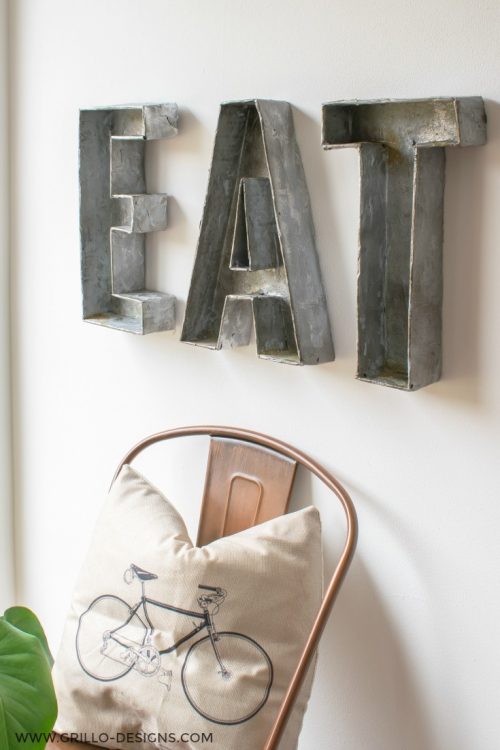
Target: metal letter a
[256,262]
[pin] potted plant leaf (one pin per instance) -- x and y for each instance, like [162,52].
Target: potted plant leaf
[28,706]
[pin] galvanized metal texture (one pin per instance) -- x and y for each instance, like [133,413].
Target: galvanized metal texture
[256,262]
[400,284]
[116,213]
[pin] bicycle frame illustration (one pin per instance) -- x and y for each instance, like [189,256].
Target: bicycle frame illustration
[114,638]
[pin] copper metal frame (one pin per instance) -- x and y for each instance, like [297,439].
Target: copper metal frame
[342,566]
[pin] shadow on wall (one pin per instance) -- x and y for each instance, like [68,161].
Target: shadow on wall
[362,674]
[340,292]
[167,249]
[466,206]
[338,276]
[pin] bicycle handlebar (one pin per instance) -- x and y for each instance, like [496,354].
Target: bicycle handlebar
[215,596]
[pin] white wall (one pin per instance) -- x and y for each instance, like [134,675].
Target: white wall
[6,505]
[410,660]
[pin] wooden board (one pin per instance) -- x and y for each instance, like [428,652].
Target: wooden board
[245,485]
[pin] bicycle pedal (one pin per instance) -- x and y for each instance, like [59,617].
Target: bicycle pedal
[128,657]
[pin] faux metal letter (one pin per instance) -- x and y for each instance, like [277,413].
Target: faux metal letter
[402,158]
[256,257]
[116,213]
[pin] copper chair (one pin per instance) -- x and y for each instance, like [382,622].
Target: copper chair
[249,480]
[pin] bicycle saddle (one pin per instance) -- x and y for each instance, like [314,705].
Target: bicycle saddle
[143,574]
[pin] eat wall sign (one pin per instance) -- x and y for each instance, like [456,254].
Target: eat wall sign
[256,262]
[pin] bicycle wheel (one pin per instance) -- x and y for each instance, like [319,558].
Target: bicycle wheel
[232,697]
[102,656]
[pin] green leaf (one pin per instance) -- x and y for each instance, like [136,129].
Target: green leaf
[27,698]
[3,724]
[26,620]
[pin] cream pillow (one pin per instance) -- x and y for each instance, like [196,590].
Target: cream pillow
[168,645]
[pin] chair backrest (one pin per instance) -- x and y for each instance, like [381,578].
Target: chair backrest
[249,480]
[246,484]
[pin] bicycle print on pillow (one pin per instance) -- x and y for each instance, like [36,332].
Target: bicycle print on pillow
[114,638]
